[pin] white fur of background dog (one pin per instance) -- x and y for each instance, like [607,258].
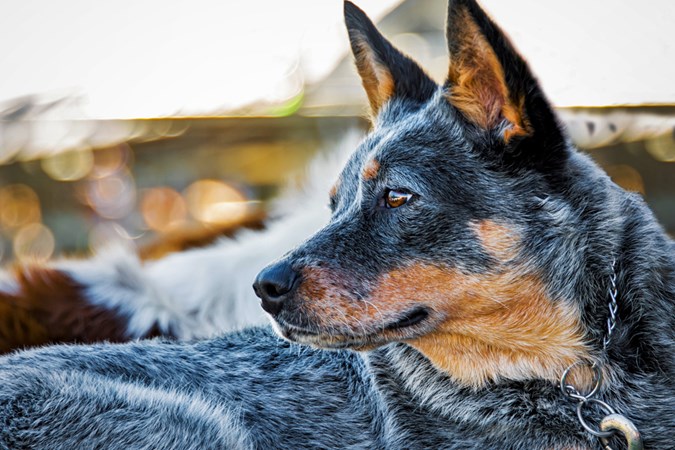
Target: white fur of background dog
[204,292]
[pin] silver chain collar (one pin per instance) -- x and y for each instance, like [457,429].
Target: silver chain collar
[613,307]
[612,423]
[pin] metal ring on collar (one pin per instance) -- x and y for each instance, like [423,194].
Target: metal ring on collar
[621,424]
[608,409]
[571,391]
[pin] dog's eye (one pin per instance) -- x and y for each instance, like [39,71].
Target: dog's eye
[394,198]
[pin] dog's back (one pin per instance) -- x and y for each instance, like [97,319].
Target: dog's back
[251,390]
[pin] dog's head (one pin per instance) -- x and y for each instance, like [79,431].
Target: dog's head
[432,217]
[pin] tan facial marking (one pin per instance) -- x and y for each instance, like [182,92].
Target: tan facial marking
[370,170]
[483,327]
[494,326]
[328,301]
[500,241]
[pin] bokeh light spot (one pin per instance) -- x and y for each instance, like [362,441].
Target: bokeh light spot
[214,202]
[627,177]
[112,197]
[109,160]
[662,148]
[69,166]
[163,209]
[104,234]
[33,242]
[19,205]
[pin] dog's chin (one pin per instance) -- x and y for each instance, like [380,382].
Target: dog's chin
[410,325]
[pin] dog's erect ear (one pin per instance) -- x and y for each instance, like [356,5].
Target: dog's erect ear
[386,73]
[490,83]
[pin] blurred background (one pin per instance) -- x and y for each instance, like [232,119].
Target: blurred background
[147,120]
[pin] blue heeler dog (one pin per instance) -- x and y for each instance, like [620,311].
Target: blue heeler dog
[466,267]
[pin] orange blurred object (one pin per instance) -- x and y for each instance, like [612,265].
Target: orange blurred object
[214,202]
[20,206]
[163,209]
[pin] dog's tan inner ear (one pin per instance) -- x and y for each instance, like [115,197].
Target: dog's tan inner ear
[477,85]
[376,77]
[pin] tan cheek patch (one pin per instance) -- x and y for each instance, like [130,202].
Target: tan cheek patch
[494,326]
[500,241]
[418,284]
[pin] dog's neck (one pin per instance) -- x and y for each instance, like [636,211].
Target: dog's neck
[401,368]
[644,339]
[400,371]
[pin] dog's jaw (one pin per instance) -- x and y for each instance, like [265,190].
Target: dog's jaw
[529,337]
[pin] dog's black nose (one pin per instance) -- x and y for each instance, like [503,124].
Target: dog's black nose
[274,284]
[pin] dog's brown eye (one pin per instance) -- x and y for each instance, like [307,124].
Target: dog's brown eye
[394,199]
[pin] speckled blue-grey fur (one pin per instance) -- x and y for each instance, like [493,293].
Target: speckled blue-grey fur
[254,390]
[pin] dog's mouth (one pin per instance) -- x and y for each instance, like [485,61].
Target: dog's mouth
[407,327]
[409,319]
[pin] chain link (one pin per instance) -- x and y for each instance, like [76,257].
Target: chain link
[613,307]
[613,422]
[585,399]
